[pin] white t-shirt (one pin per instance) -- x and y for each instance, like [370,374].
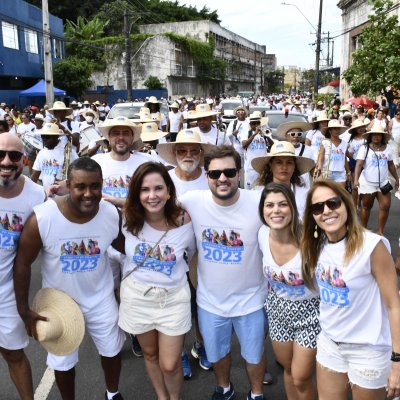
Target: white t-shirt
[159,117]
[285,280]
[334,155]
[372,169]
[354,146]
[352,309]
[315,137]
[117,174]
[13,215]
[25,128]
[230,278]
[74,256]
[174,121]
[165,266]
[215,136]
[185,186]
[50,164]
[242,127]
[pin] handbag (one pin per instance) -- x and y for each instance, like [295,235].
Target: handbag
[388,187]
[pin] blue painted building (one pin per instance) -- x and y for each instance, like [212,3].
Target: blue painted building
[21,47]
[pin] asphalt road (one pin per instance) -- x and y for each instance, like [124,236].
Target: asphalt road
[134,383]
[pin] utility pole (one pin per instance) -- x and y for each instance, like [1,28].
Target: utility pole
[255,68]
[328,53]
[333,44]
[318,50]
[47,59]
[128,66]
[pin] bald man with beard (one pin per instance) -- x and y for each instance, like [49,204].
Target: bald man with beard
[18,196]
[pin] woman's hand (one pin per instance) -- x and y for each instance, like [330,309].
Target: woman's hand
[393,385]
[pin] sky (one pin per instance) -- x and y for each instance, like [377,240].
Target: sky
[282,29]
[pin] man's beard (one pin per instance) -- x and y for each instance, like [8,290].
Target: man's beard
[187,167]
[11,181]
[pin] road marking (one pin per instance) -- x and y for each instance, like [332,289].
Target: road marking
[45,385]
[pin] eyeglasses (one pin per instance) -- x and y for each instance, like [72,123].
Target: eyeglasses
[216,173]
[255,122]
[295,134]
[333,204]
[191,152]
[13,155]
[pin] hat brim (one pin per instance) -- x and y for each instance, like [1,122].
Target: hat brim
[287,126]
[341,128]
[151,136]
[167,151]
[303,164]
[68,110]
[110,123]
[53,303]
[203,114]
[365,135]
[353,129]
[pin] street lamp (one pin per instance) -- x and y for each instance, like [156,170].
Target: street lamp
[318,49]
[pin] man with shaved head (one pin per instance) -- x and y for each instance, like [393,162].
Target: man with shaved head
[18,196]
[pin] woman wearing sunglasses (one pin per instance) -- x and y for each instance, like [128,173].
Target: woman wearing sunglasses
[12,127]
[359,344]
[155,294]
[292,308]
[374,162]
[282,165]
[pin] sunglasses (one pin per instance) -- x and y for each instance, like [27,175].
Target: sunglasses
[295,134]
[333,204]
[13,155]
[216,173]
[191,152]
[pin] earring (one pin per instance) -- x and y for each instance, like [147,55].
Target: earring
[316,232]
[168,197]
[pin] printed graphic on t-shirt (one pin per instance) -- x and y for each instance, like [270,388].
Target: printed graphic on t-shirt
[159,259]
[50,167]
[333,289]
[221,247]
[79,257]
[381,158]
[116,185]
[291,285]
[258,143]
[337,155]
[10,230]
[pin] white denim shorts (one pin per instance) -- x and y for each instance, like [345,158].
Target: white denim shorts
[144,308]
[336,176]
[13,334]
[367,187]
[365,366]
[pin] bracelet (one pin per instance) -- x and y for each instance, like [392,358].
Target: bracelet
[395,357]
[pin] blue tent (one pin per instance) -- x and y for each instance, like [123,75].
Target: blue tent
[39,89]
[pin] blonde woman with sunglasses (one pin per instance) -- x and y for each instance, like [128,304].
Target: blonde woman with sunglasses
[358,348]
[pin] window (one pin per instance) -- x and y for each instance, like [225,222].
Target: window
[10,35]
[57,48]
[31,42]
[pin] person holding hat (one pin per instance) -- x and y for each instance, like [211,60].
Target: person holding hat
[18,196]
[50,161]
[374,162]
[154,105]
[174,121]
[316,134]
[332,161]
[238,128]
[72,233]
[282,165]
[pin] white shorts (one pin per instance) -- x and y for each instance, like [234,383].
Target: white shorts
[367,187]
[365,366]
[102,325]
[144,308]
[13,334]
[335,176]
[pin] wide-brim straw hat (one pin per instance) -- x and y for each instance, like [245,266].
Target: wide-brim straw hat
[256,116]
[323,116]
[240,108]
[86,111]
[287,126]
[357,124]
[51,129]
[150,132]
[283,149]
[334,123]
[152,100]
[60,106]
[377,128]
[105,127]
[346,107]
[174,105]
[203,110]
[186,136]
[64,331]
[144,116]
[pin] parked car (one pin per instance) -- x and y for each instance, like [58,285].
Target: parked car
[228,105]
[277,117]
[131,110]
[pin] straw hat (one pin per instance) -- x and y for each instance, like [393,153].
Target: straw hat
[60,106]
[63,332]
[240,108]
[334,123]
[357,124]
[144,116]
[377,128]
[322,117]
[257,116]
[39,117]
[191,114]
[187,136]
[203,110]
[86,103]
[346,107]
[150,132]
[281,149]
[152,100]
[86,111]
[51,129]
[105,127]
[287,126]
[97,103]
[174,105]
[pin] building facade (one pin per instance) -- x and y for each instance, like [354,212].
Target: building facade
[21,46]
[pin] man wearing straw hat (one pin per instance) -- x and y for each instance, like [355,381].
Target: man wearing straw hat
[174,121]
[18,196]
[154,105]
[72,233]
[238,128]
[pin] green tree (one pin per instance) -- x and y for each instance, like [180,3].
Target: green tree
[85,29]
[73,74]
[375,66]
[152,82]
[273,81]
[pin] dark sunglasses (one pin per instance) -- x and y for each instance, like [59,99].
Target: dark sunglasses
[13,155]
[216,173]
[333,204]
[294,134]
